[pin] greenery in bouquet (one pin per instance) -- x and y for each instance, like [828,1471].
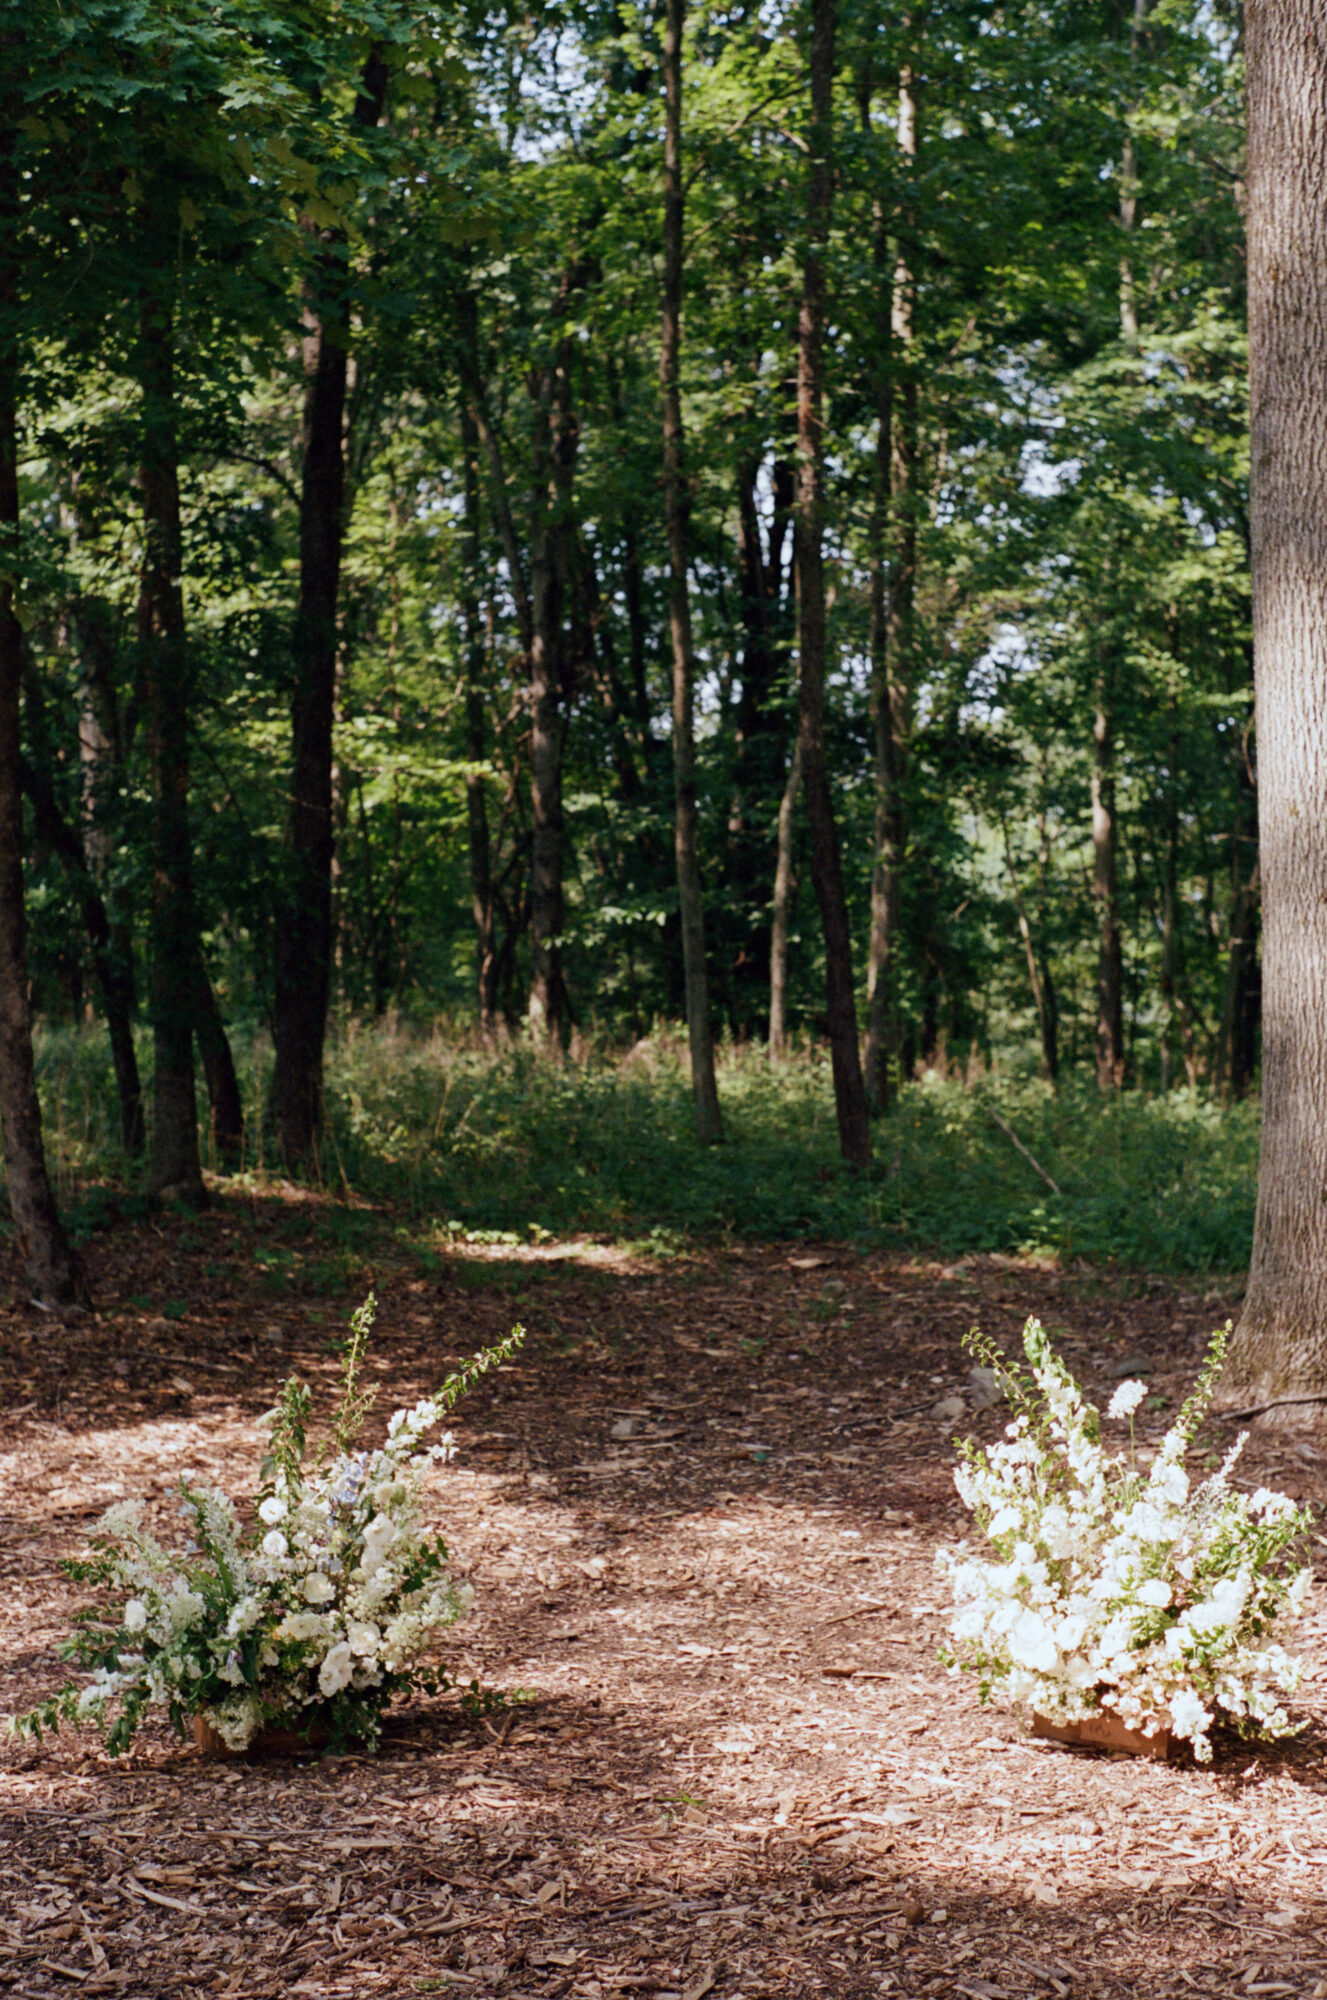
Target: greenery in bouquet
[310,1615]
[1117,1586]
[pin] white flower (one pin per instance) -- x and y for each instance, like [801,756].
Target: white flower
[1031,1644]
[363,1637]
[1001,1523]
[1187,1715]
[135,1615]
[318,1589]
[186,1607]
[1170,1481]
[1126,1399]
[1155,1592]
[378,1538]
[300,1625]
[272,1510]
[275,1545]
[336,1669]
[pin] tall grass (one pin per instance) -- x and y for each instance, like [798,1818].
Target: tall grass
[602,1143]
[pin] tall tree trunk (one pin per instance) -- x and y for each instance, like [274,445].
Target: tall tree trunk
[556,441]
[783,907]
[476,805]
[101,751]
[548,994]
[1170,907]
[1105,891]
[176,1168]
[49,1266]
[1280,1346]
[893,536]
[303,953]
[826,861]
[704,1087]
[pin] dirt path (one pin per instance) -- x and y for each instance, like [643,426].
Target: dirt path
[701,1514]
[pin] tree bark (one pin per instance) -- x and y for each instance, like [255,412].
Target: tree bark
[303,953]
[826,861]
[1105,891]
[556,441]
[176,1169]
[893,535]
[1280,1345]
[476,805]
[49,1266]
[784,889]
[704,1086]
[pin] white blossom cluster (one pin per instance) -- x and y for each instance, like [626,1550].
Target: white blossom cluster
[1122,1588]
[323,1608]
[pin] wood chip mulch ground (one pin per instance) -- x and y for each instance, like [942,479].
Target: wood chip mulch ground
[701,1513]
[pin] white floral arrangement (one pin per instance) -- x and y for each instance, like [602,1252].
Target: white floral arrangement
[310,1617]
[1119,1588]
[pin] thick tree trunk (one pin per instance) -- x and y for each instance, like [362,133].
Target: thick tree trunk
[176,1168]
[1280,1346]
[303,953]
[1105,891]
[783,908]
[704,1087]
[826,861]
[49,1266]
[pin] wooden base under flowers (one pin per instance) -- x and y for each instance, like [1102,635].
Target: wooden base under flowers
[266,1742]
[1105,1731]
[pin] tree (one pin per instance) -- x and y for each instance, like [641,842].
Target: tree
[704,1090]
[826,858]
[303,968]
[1279,1354]
[48,1260]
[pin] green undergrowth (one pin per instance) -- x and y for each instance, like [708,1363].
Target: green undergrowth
[465,1146]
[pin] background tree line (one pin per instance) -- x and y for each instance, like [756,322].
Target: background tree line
[574,515]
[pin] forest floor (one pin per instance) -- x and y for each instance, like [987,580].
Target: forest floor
[700,1511]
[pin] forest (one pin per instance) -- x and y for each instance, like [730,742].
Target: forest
[532,524]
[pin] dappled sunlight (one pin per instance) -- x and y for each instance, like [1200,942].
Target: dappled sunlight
[701,1513]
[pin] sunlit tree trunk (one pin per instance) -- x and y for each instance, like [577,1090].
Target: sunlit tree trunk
[1280,1347]
[783,908]
[893,594]
[547,1010]
[704,1088]
[826,860]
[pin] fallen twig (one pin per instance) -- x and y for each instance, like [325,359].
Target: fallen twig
[1277,1403]
[1035,1164]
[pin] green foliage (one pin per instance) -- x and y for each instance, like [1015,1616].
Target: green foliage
[513,1147]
